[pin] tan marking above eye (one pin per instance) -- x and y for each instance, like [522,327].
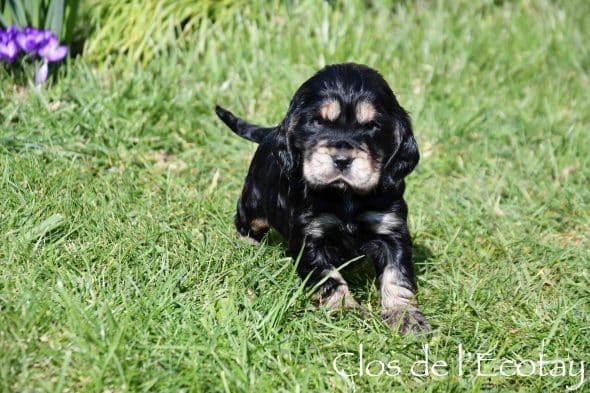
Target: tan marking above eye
[330,109]
[365,112]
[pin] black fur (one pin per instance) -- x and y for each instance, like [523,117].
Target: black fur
[336,222]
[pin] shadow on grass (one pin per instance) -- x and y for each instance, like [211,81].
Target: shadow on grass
[421,255]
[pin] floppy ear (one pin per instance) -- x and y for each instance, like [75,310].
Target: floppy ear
[405,156]
[283,147]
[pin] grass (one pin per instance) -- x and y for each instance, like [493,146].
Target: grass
[119,266]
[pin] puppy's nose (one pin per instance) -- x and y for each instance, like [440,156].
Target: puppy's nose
[341,162]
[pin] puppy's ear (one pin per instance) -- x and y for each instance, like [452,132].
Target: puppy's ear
[283,148]
[405,156]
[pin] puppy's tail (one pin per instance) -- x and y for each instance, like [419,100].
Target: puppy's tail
[244,129]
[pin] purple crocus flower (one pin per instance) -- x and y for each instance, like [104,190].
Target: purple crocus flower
[41,74]
[8,48]
[50,49]
[35,42]
[29,39]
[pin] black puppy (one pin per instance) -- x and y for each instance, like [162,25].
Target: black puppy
[330,179]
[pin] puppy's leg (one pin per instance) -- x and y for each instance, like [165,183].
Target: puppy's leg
[250,221]
[393,265]
[333,292]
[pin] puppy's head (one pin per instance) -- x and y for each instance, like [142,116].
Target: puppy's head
[345,129]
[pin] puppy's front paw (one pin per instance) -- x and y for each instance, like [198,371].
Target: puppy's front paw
[339,302]
[406,319]
[336,298]
[248,239]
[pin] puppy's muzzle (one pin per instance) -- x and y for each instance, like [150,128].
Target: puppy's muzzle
[342,154]
[342,161]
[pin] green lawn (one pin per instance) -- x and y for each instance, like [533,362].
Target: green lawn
[119,266]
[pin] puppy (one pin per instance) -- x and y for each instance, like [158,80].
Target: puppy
[330,179]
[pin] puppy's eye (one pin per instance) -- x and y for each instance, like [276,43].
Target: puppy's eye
[372,125]
[317,122]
